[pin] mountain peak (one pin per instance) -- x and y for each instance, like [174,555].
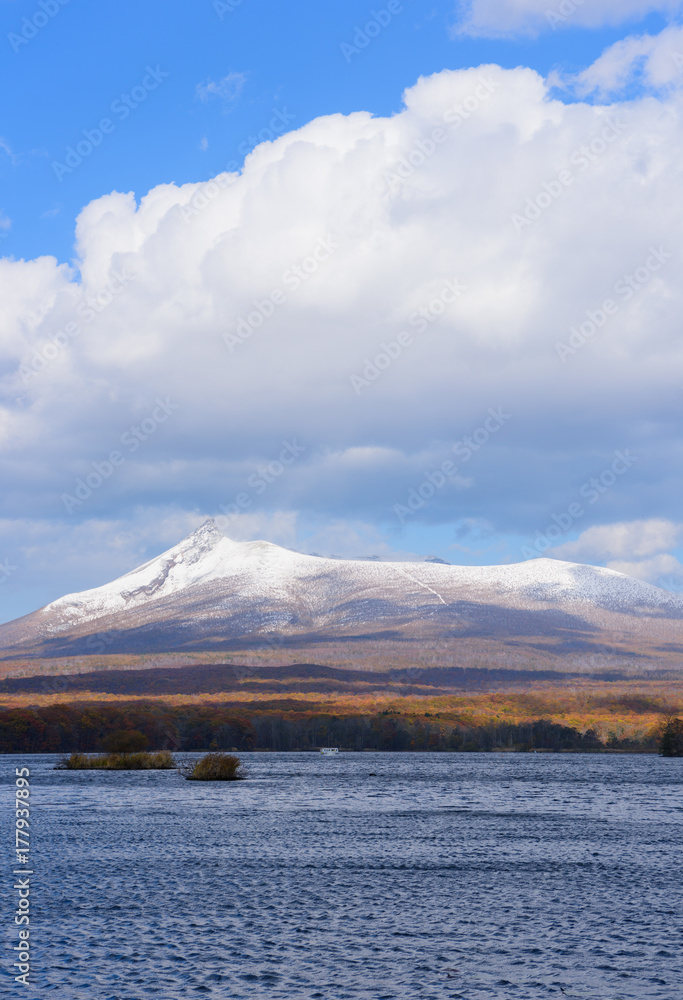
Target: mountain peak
[208,531]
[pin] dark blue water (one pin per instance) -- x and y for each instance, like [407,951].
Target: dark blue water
[446,875]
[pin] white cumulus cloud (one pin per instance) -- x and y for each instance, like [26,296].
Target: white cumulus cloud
[635,539]
[662,569]
[638,548]
[366,292]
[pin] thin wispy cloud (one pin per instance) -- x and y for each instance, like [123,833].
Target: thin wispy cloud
[653,62]
[227,90]
[8,152]
[510,18]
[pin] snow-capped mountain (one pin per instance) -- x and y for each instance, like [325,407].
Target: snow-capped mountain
[209,592]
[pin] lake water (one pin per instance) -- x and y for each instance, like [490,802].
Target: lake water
[444,875]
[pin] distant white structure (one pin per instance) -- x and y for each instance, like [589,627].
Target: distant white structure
[330,750]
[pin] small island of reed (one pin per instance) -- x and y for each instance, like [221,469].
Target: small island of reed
[214,767]
[161,760]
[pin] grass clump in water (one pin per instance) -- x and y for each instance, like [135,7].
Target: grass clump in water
[214,767]
[162,760]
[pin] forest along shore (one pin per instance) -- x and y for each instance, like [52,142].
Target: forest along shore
[303,706]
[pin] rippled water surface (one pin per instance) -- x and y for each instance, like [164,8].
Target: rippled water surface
[440,875]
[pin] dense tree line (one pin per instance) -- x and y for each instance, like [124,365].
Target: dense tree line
[68,728]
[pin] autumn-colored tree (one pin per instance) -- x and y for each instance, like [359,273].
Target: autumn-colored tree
[671,743]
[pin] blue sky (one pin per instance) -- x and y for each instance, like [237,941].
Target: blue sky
[186,90]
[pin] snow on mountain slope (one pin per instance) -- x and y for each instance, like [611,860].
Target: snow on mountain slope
[203,557]
[221,570]
[209,592]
